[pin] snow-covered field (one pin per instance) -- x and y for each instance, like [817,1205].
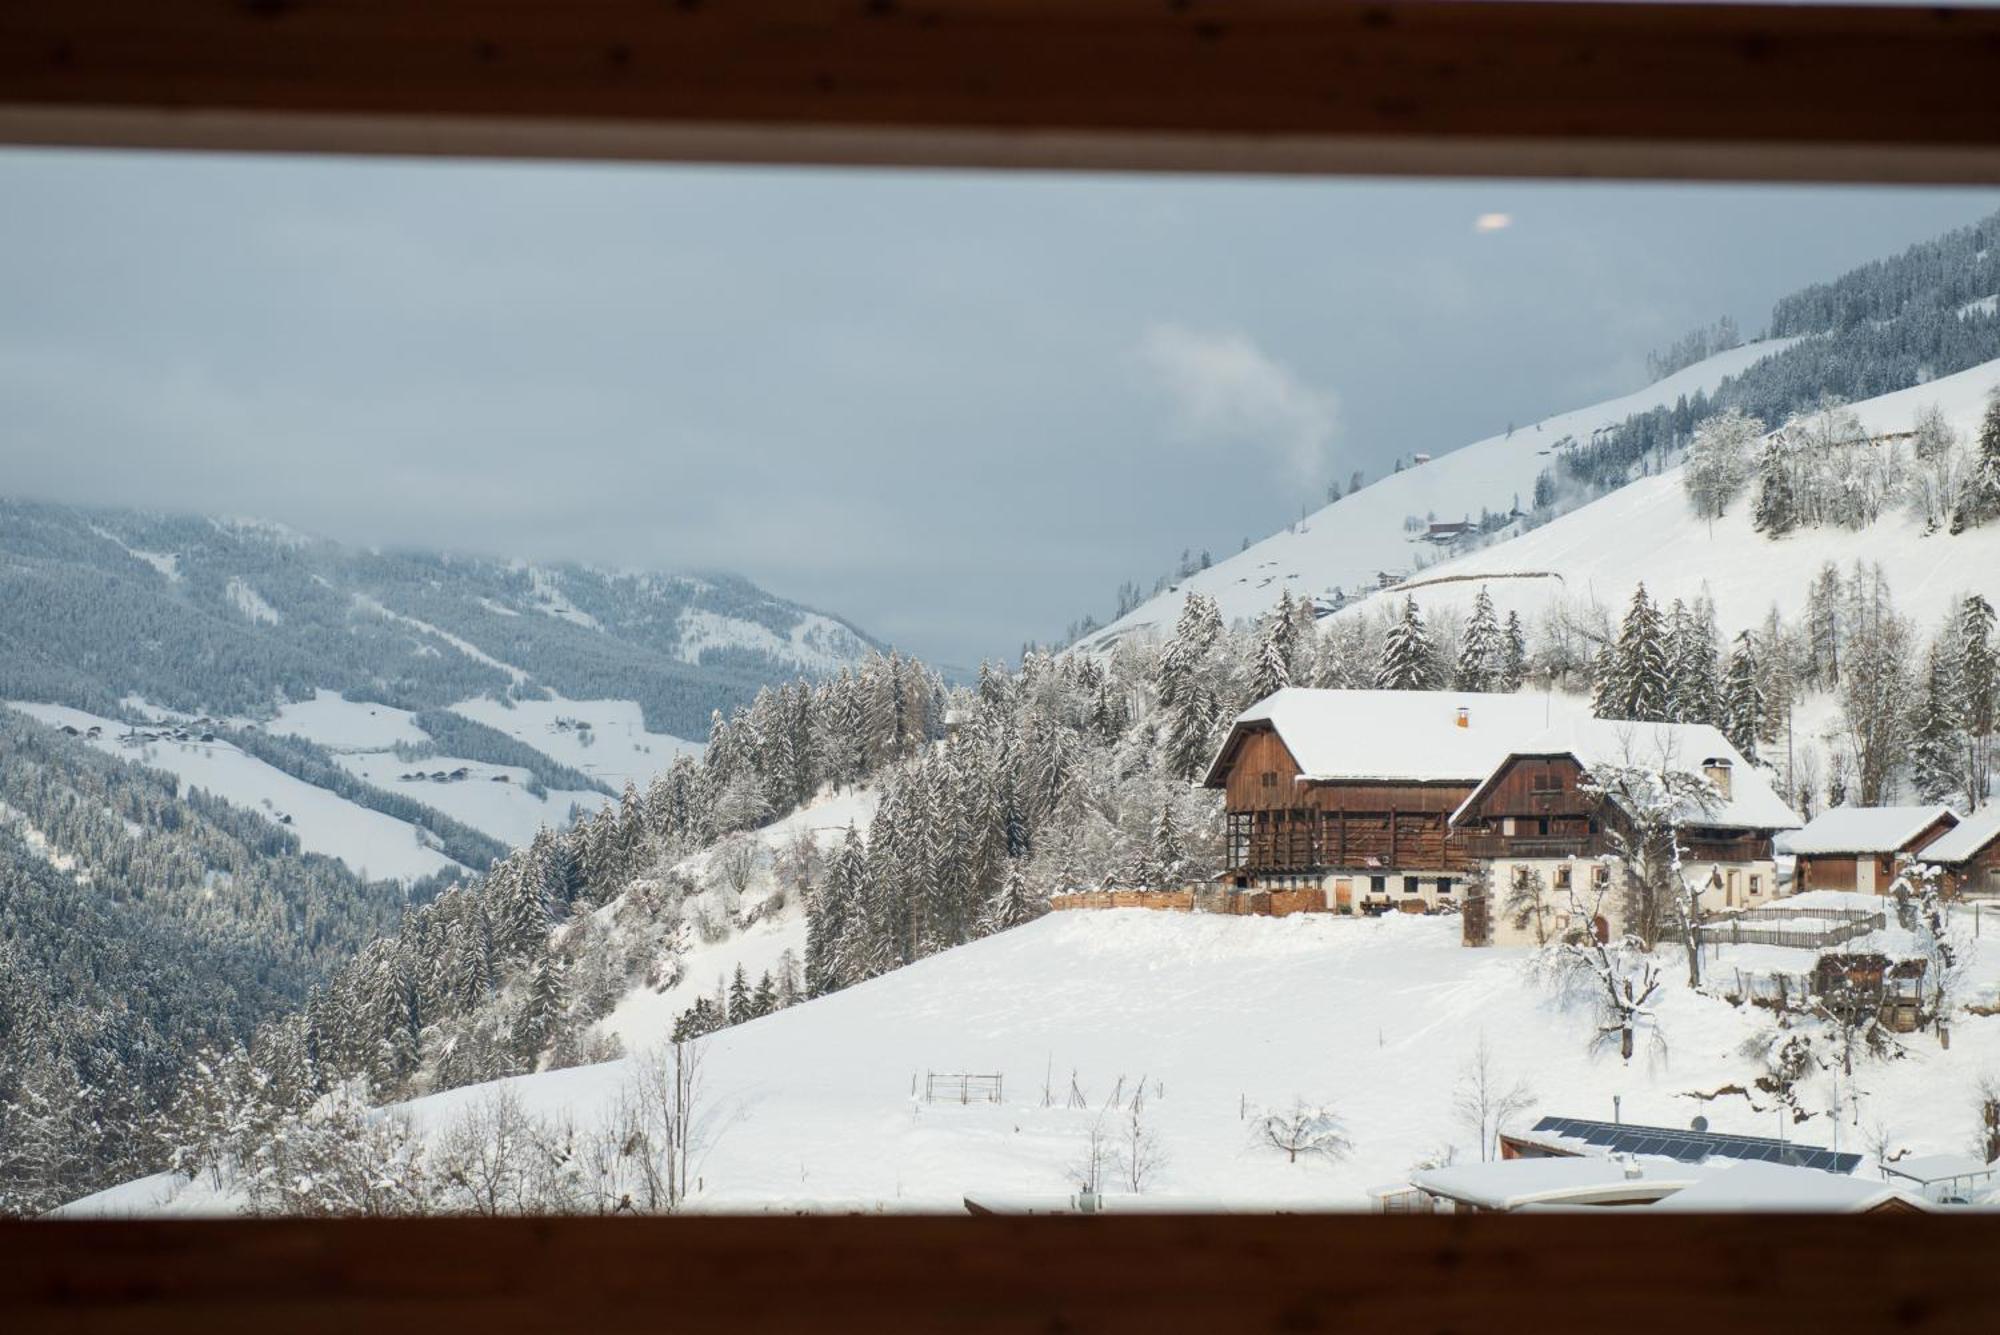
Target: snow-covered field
[367,841]
[615,748]
[812,1107]
[1344,545]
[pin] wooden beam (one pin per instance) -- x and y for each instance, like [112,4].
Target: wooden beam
[1478,87]
[1150,1275]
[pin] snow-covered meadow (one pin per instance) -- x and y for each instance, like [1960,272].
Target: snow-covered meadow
[820,1106]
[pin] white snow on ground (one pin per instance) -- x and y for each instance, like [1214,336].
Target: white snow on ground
[499,609]
[1646,532]
[491,798]
[645,1017]
[166,563]
[464,646]
[367,841]
[340,724]
[813,1105]
[1344,545]
[250,602]
[1983,306]
[615,747]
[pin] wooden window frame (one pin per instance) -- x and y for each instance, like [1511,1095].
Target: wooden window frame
[1449,88]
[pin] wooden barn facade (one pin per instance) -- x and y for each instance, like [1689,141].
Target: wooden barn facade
[1350,793]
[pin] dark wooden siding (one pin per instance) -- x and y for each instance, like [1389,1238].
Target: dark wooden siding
[1279,825]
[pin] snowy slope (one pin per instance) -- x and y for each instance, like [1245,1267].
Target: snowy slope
[1646,531]
[645,1016]
[367,841]
[813,1105]
[1344,545]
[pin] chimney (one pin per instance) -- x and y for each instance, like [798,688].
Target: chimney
[1464,717]
[1717,772]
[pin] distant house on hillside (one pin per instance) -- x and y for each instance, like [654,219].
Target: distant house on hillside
[1349,792]
[1545,840]
[1857,848]
[1448,532]
[1969,855]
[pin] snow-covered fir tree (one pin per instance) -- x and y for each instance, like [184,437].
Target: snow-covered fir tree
[1409,657]
[1482,652]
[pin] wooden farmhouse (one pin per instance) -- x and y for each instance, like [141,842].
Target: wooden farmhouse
[1546,843]
[1349,792]
[1969,855]
[1857,848]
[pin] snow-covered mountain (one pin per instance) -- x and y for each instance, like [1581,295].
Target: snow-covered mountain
[237,617]
[408,713]
[1343,549]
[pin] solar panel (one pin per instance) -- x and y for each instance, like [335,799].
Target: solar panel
[1694,1146]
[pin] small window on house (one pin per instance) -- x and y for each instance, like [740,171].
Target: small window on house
[1378,885]
[1444,885]
[1268,779]
[1756,884]
[1411,885]
[1600,875]
[1520,876]
[1563,877]
[1507,825]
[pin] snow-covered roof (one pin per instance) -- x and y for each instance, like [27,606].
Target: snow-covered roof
[1398,736]
[1598,744]
[1775,1186]
[1864,829]
[1965,839]
[1930,1168]
[1509,1184]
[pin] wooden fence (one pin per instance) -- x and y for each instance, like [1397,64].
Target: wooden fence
[959,1087]
[1203,899]
[1842,926]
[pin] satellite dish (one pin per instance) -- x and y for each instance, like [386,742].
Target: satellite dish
[1699,1124]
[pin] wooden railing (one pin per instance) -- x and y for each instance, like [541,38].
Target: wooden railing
[1120,1275]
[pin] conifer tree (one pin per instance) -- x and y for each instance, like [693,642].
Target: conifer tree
[1482,654]
[739,995]
[1777,507]
[1513,656]
[1977,668]
[1935,757]
[1013,904]
[1979,501]
[1695,688]
[1743,698]
[1636,685]
[1409,659]
[1272,671]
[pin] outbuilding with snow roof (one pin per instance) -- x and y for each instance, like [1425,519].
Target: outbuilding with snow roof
[1969,855]
[1858,848]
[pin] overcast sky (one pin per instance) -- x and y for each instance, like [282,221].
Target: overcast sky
[957,409]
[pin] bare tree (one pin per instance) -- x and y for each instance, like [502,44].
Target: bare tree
[1617,975]
[1986,1101]
[1140,1156]
[1087,1172]
[1643,810]
[1309,1129]
[1485,1099]
[658,1131]
[1528,902]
